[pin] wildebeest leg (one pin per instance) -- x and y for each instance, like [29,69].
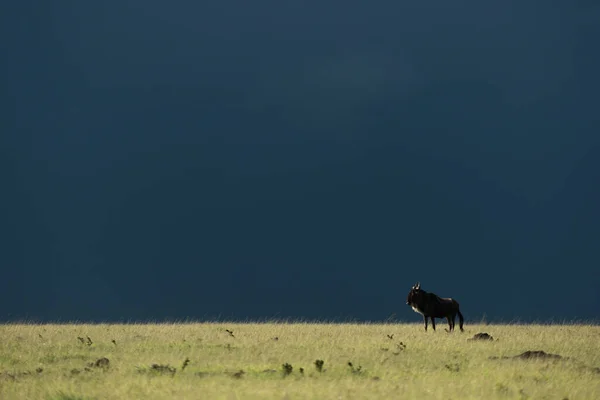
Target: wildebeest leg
[425,318]
[449,324]
[453,320]
[433,323]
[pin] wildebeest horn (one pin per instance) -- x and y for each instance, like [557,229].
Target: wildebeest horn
[418,285]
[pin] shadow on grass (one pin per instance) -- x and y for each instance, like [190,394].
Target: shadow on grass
[67,396]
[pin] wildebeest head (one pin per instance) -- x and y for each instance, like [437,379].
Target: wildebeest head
[413,294]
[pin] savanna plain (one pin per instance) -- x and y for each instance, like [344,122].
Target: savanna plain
[297,361]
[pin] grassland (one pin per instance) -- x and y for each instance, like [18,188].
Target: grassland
[389,361]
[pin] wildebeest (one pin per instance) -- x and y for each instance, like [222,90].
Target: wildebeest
[431,306]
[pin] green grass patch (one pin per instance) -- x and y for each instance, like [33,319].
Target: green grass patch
[298,361]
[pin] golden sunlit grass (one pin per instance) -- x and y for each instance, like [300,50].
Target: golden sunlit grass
[389,361]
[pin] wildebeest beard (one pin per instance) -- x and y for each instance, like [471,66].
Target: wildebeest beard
[432,306]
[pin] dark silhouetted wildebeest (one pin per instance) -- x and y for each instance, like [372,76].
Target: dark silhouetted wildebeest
[432,306]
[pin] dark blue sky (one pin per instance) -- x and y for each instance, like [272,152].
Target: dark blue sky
[298,159]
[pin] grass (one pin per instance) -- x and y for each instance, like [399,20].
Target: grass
[264,361]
